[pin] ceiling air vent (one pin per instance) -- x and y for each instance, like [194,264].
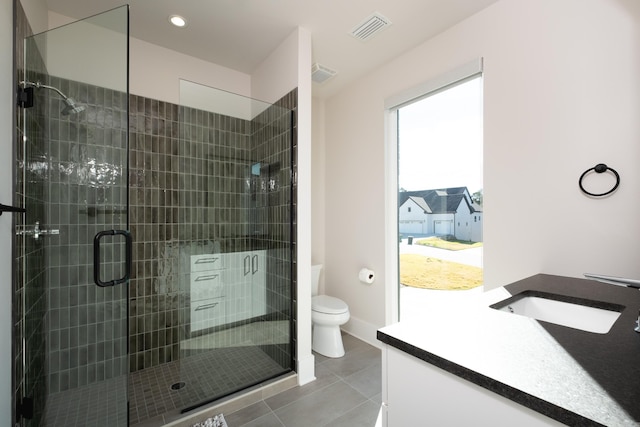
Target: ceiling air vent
[320,73]
[370,27]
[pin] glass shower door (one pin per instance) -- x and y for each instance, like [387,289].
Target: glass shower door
[235,243]
[73,244]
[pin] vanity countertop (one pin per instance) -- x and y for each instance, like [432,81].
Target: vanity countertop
[575,377]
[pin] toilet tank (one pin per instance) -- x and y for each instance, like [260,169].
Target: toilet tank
[315,278]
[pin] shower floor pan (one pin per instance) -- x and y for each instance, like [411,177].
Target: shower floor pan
[220,362]
[205,375]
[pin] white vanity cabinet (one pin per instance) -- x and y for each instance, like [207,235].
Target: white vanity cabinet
[237,286]
[227,288]
[258,283]
[207,291]
[246,285]
[415,392]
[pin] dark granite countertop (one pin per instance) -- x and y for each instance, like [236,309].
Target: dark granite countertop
[573,376]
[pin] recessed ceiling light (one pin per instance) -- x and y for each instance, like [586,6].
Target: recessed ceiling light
[178,21]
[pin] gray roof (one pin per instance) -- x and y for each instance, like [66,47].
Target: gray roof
[421,203]
[439,200]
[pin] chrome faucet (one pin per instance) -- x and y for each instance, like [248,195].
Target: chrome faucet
[612,280]
[619,281]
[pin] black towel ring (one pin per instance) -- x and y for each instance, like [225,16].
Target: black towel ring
[599,168]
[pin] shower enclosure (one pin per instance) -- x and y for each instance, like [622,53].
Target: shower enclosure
[70,342]
[154,260]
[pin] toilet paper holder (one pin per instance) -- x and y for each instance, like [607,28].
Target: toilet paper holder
[366,276]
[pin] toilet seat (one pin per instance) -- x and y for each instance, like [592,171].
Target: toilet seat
[328,305]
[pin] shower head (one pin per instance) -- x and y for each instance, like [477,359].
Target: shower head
[70,106]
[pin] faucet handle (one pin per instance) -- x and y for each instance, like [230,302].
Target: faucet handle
[612,280]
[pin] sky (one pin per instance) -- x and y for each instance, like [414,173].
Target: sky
[440,140]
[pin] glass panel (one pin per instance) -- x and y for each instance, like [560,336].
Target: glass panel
[73,177]
[440,195]
[193,196]
[235,159]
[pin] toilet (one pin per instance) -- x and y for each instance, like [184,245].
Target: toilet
[327,315]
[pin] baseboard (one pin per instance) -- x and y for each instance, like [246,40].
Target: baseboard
[362,330]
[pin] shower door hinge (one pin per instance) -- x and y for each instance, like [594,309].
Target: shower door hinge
[25,97]
[7,208]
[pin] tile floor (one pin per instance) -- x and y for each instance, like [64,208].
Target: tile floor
[205,375]
[211,366]
[77,407]
[346,392]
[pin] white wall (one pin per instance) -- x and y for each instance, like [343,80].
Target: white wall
[277,75]
[155,72]
[288,67]
[561,94]
[89,51]
[36,10]
[306,365]
[7,99]
[318,189]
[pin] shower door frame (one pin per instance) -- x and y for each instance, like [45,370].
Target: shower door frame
[110,314]
[265,219]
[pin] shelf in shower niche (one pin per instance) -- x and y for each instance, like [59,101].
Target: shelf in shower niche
[93,211]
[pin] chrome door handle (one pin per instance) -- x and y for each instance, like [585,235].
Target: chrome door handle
[206,260]
[36,231]
[206,306]
[247,265]
[203,278]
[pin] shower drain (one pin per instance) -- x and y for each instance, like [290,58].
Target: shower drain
[178,385]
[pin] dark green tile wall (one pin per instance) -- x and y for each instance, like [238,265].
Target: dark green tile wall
[190,186]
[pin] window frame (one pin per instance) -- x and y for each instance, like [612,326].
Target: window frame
[392,104]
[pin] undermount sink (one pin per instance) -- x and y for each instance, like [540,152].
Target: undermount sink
[577,313]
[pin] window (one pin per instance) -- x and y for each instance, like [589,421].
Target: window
[438,142]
